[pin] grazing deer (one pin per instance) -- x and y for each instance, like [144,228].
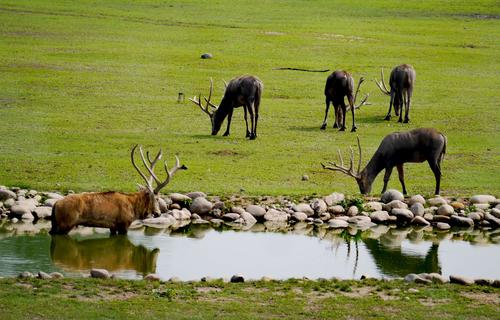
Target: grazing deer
[338,85]
[113,210]
[401,83]
[396,149]
[243,91]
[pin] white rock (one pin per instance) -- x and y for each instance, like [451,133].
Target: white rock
[276,216]
[373,206]
[442,226]
[379,216]
[338,223]
[43,212]
[240,210]
[165,220]
[50,202]
[19,210]
[438,201]
[337,209]
[495,212]
[352,211]
[196,194]
[416,199]
[395,204]
[359,219]
[319,206]
[248,218]
[6,194]
[391,195]
[179,197]
[182,214]
[163,205]
[303,207]
[231,216]
[299,216]
[445,210]
[9,203]
[482,198]
[403,214]
[53,195]
[201,206]
[334,198]
[417,209]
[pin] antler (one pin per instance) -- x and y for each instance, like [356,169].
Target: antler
[150,168]
[349,171]
[363,102]
[197,101]
[381,85]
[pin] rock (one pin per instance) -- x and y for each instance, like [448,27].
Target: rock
[325,216]
[276,216]
[379,216]
[461,221]
[337,223]
[417,209]
[412,277]
[163,205]
[248,218]
[200,221]
[413,290]
[183,214]
[9,203]
[461,280]
[402,214]
[100,273]
[6,194]
[445,210]
[482,198]
[416,199]
[305,177]
[475,216]
[494,221]
[419,221]
[495,212]
[196,194]
[391,195]
[373,206]
[237,278]
[19,210]
[256,211]
[318,221]
[337,209]
[303,207]
[28,217]
[431,210]
[54,195]
[201,206]
[179,197]
[56,275]
[319,206]
[345,218]
[231,216]
[50,202]
[299,216]
[483,282]
[195,216]
[429,217]
[43,275]
[175,206]
[395,204]
[216,222]
[238,209]
[439,218]
[352,211]
[25,275]
[334,198]
[438,201]
[436,277]
[457,205]
[152,277]
[206,56]
[219,205]
[442,226]
[482,206]
[43,212]
[165,220]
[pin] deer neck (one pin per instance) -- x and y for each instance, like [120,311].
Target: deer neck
[141,202]
[372,169]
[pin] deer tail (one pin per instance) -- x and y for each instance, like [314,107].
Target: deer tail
[444,148]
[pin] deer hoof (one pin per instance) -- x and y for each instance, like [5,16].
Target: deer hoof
[342,129]
[353,129]
[406,120]
[387,117]
[400,120]
[253,137]
[225,134]
[323,126]
[335,126]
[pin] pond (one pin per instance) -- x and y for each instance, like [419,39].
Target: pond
[192,252]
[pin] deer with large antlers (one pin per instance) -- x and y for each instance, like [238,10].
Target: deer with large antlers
[339,85]
[395,150]
[401,83]
[113,210]
[243,91]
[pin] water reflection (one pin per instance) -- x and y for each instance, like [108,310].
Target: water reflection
[115,253]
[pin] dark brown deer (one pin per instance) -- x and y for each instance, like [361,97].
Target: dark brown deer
[339,85]
[243,91]
[401,83]
[418,145]
[113,210]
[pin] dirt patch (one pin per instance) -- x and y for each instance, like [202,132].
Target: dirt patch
[225,153]
[358,292]
[429,302]
[483,297]
[207,289]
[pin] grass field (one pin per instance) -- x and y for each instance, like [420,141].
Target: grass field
[291,299]
[82,82]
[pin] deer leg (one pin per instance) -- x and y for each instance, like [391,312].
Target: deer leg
[437,174]
[343,112]
[252,122]
[338,117]
[388,116]
[387,175]
[351,103]
[256,119]
[323,126]
[400,97]
[246,121]
[401,174]
[229,116]
[407,105]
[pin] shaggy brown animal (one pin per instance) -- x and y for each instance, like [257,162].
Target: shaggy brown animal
[113,210]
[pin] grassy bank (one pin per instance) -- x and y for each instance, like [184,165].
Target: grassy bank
[80,83]
[292,299]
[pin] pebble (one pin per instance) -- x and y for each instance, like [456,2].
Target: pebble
[100,273]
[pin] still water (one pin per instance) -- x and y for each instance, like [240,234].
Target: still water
[191,253]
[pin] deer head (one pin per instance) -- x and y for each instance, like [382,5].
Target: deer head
[150,166]
[363,183]
[209,108]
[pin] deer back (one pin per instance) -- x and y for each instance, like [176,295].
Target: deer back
[338,85]
[402,78]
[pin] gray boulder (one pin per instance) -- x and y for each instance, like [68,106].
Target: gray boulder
[18,211]
[391,195]
[248,218]
[237,278]
[44,275]
[395,204]
[437,201]
[152,277]
[475,216]
[494,221]
[299,216]
[325,216]
[256,211]
[319,206]
[461,280]
[402,214]
[352,211]
[163,205]
[100,273]
[6,194]
[419,221]
[337,223]
[304,207]
[179,197]
[417,209]
[165,220]
[43,212]
[276,216]
[50,202]
[54,195]
[183,214]
[445,210]
[231,216]
[56,275]
[373,206]
[201,206]
[412,277]
[379,216]
[337,209]
[442,226]
[495,212]
[461,221]
[436,277]
[416,199]
[9,203]
[195,194]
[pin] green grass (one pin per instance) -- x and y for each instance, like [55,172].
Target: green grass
[291,299]
[81,83]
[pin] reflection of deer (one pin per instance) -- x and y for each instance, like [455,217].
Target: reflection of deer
[393,261]
[113,254]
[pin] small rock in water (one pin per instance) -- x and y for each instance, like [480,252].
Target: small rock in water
[373,206]
[100,273]
[417,209]
[442,226]
[201,206]
[352,211]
